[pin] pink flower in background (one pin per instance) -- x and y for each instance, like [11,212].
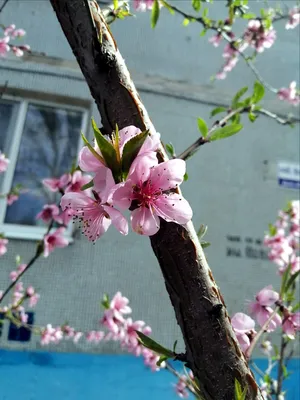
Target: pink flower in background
[51,335]
[3,160]
[215,40]
[291,325]
[55,184]
[65,217]
[94,336]
[120,303]
[18,33]
[267,296]
[11,198]
[262,314]
[294,18]
[3,244]
[147,187]
[54,240]
[289,94]
[151,359]
[8,31]
[181,388]
[95,216]
[244,328]
[143,5]
[259,37]
[77,181]
[33,296]
[113,320]
[49,212]
[4,47]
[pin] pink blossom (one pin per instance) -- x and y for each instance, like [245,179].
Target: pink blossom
[181,388]
[130,328]
[289,94]
[267,296]
[262,314]
[215,40]
[49,212]
[11,198]
[113,320]
[18,33]
[51,335]
[53,240]
[3,244]
[3,160]
[17,51]
[259,37]
[143,5]
[147,187]
[4,49]
[55,184]
[120,304]
[243,327]
[94,336]
[294,18]
[95,216]
[21,268]
[291,325]
[8,31]
[77,181]
[13,276]
[65,217]
[151,359]
[33,296]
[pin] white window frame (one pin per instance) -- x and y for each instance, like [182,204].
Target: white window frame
[29,232]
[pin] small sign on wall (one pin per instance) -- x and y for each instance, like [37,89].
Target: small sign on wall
[288,174]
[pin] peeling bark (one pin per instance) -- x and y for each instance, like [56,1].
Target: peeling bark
[212,350]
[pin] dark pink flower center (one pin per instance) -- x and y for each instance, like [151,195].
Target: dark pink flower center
[145,194]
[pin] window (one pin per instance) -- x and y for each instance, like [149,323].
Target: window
[21,334]
[41,140]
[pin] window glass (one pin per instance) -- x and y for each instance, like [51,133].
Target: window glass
[48,148]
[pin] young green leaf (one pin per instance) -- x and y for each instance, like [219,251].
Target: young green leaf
[292,280]
[170,149]
[107,150]
[154,13]
[240,394]
[202,231]
[238,95]
[272,230]
[115,4]
[185,22]
[225,132]
[202,127]
[196,5]
[205,244]
[87,185]
[185,177]
[154,346]
[92,150]
[258,92]
[105,301]
[252,117]
[167,6]
[131,150]
[174,346]
[161,360]
[217,110]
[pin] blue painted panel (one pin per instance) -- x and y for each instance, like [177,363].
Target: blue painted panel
[48,376]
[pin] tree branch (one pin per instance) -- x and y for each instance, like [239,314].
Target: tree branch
[211,346]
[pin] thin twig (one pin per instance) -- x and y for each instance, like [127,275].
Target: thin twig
[201,141]
[280,120]
[3,5]
[177,374]
[264,328]
[283,345]
[38,253]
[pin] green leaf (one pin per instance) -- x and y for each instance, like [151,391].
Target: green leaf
[272,230]
[166,5]
[252,117]
[205,12]
[203,33]
[296,307]
[238,95]
[284,280]
[116,4]
[87,185]
[185,22]
[146,341]
[185,177]
[202,127]
[154,14]
[174,346]
[131,150]
[205,244]
[105,301]
[170,149]
[249,16]
[107,150]
[258,92]
[202,231]
[196,5]
[225,132]
[292,280]
[240,394]
[217,110]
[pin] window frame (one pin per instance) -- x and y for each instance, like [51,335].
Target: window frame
[29,232]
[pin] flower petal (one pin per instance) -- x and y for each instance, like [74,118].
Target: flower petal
[126,134]
[140,169]
[122,196]
[87,161]
[75,201]
[173,208]
[168,174]
[103,184]
[144,221]
[117,219]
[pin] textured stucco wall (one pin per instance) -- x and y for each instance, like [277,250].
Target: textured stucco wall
[232,184]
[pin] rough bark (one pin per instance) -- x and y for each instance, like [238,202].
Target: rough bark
[212,350]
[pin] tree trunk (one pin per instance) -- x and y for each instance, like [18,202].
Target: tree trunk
[212,350]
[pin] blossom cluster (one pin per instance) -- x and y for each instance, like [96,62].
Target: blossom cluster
[127,175]
[283,242]
[11,33]
[290,94]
